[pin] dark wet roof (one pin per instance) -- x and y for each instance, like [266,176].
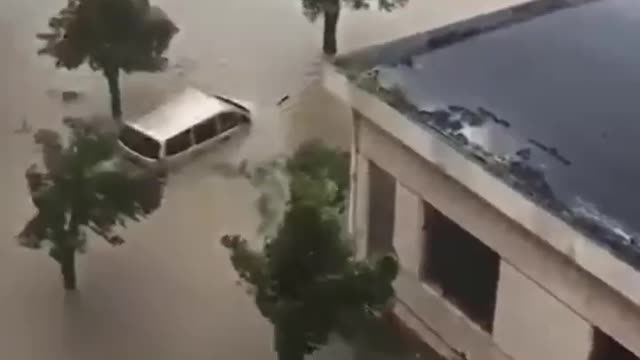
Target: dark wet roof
[550,104]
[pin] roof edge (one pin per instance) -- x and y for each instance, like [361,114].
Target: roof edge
[438,37]
[547,226]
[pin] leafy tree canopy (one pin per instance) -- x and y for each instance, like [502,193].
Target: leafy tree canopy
[313,8]
[126,34]
[305,279]
[320,170]
[81,185]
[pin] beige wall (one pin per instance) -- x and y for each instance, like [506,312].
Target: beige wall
[407,239]
[546,271]
[456,330]
[531,325]
[471,177]
[547,329]
[361,211]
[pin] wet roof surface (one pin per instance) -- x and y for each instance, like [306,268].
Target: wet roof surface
[550,104]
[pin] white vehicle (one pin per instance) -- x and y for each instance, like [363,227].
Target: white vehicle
[189,122]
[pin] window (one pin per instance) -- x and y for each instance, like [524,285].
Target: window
[205,130]
[229,121]
[382,200]
[606,348]
[463,268]
[140,143]
[179,143]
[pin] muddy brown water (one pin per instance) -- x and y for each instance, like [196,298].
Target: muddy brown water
[169,292]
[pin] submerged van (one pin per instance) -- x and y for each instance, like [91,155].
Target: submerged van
[190,121]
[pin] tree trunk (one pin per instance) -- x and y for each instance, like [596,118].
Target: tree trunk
[68,268]
[329,41]
[113,79]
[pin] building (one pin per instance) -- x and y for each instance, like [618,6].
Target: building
[497,157]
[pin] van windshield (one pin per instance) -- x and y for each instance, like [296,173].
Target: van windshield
[140,143]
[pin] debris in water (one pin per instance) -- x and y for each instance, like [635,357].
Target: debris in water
[493,117]
[502,122]
[552,151]
[24,128]
[47,36]
[70,95]
[524,154]
[282,100]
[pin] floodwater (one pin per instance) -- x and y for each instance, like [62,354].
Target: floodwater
[169,292]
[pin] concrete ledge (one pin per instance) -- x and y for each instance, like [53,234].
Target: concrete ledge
[410,325]
[552,230]
[445,322]
[525,235]
[396,50]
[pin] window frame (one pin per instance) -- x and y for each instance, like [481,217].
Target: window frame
[603,346]
[177,153]
[445,244]
[213,121]
[382,191]
[141,136]
[238,119]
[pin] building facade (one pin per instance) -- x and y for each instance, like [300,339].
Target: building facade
[487,273]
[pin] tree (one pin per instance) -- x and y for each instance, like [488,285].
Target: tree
[331,13]
[305,279]
[110,36]
[82,186]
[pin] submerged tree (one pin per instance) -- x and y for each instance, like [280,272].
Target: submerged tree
[81,186]
[110,36]
[330,9]
[305,279]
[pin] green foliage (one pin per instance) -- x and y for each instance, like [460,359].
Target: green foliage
[317,169]
[129,35]
[314,8]
[110,36]
[82,186]
[314,173]
[305,279]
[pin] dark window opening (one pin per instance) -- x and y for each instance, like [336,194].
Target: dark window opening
[204,131]
[179,143]
[382,199]
[461,266]
[607,348]
[140,143]
[228,121]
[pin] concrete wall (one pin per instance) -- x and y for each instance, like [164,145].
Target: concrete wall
[531,325]
[540,289]
[407,237]
[580,274]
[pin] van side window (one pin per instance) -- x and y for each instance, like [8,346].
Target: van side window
[242,118]
[178,143]
[205,130]
[140,142]
[228,121]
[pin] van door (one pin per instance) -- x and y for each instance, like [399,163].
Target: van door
[178,146]
[205,132]
[229,121]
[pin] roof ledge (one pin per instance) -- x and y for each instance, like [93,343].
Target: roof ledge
[552,230]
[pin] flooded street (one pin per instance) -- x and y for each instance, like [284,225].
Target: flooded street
[169,293]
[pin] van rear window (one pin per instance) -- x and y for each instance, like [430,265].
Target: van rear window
[140,143]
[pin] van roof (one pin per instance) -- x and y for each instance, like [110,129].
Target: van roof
[180,113]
